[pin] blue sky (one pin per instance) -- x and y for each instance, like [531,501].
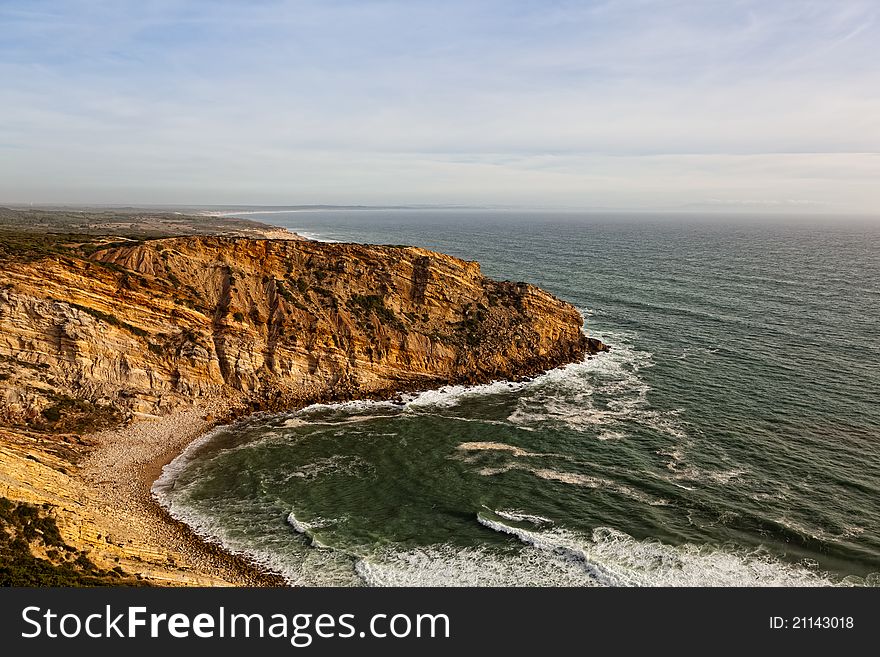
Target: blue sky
[627,104]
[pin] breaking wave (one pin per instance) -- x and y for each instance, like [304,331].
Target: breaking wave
[613,558]
[598,395]
[557,557]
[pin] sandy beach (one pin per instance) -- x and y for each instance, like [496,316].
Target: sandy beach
[100,497]
[120,470]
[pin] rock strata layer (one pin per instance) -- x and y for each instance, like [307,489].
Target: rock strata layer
[146,327]
[180,333]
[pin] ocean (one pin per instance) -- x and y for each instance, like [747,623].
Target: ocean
[730,437]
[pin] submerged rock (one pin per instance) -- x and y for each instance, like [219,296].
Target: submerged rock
[595,346]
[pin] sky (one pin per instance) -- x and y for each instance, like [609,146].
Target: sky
[616,104]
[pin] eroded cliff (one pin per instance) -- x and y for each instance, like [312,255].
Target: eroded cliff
[186,331]
[148,326]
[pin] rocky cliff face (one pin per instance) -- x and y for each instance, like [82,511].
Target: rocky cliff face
[148,326]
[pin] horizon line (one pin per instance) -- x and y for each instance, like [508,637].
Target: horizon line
[756,208]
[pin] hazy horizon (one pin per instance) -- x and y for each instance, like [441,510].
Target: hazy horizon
[613,106]
[515,213]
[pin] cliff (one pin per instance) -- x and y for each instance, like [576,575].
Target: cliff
[145,327]
[181,332]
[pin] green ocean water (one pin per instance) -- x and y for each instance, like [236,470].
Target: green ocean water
[731,436]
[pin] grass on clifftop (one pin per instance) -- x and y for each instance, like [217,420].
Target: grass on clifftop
[28,528]
[138,223]
[28,246]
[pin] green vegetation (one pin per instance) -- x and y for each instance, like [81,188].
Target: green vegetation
[329,298]
[363,304]
[99,244]
[288,296]
[110,319]
[368,303]
[24,527]
[70,415]
[122,222]
[29,246]
[284,292]
[470,326]
[112,266]
[189,303]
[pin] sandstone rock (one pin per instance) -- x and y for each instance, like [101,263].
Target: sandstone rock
[154,325]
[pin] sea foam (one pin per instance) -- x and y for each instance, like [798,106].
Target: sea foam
[556,557]
[615,558]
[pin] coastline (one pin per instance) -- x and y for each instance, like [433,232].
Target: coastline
[122,468]
[97,484]
[200,419]
[99,495]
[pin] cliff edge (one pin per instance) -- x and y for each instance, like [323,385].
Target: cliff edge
[148,326]
[183,332]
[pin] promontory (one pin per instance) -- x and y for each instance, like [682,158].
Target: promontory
[116,351]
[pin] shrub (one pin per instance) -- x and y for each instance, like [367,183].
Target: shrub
[283,291]
[68,414]
[109,319]
[367,303]
[23,525]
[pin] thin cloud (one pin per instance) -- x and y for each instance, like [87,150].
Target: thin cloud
[620,103]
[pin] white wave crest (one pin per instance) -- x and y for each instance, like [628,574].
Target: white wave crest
[564,397]
[451,396]
[489,446]
[575,479]
[555,557]
[298,525]
[567,397]
[615,558]
[446,565]
[521,516]
[165,484]
[307,529]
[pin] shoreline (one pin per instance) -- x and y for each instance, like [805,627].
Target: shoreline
[101,493]
[126,366]
[103,502]
[122,467]
[244,566]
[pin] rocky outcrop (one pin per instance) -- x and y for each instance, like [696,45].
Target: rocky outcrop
[188,331]
[148,326]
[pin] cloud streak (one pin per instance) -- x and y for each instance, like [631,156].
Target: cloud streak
[630,104]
